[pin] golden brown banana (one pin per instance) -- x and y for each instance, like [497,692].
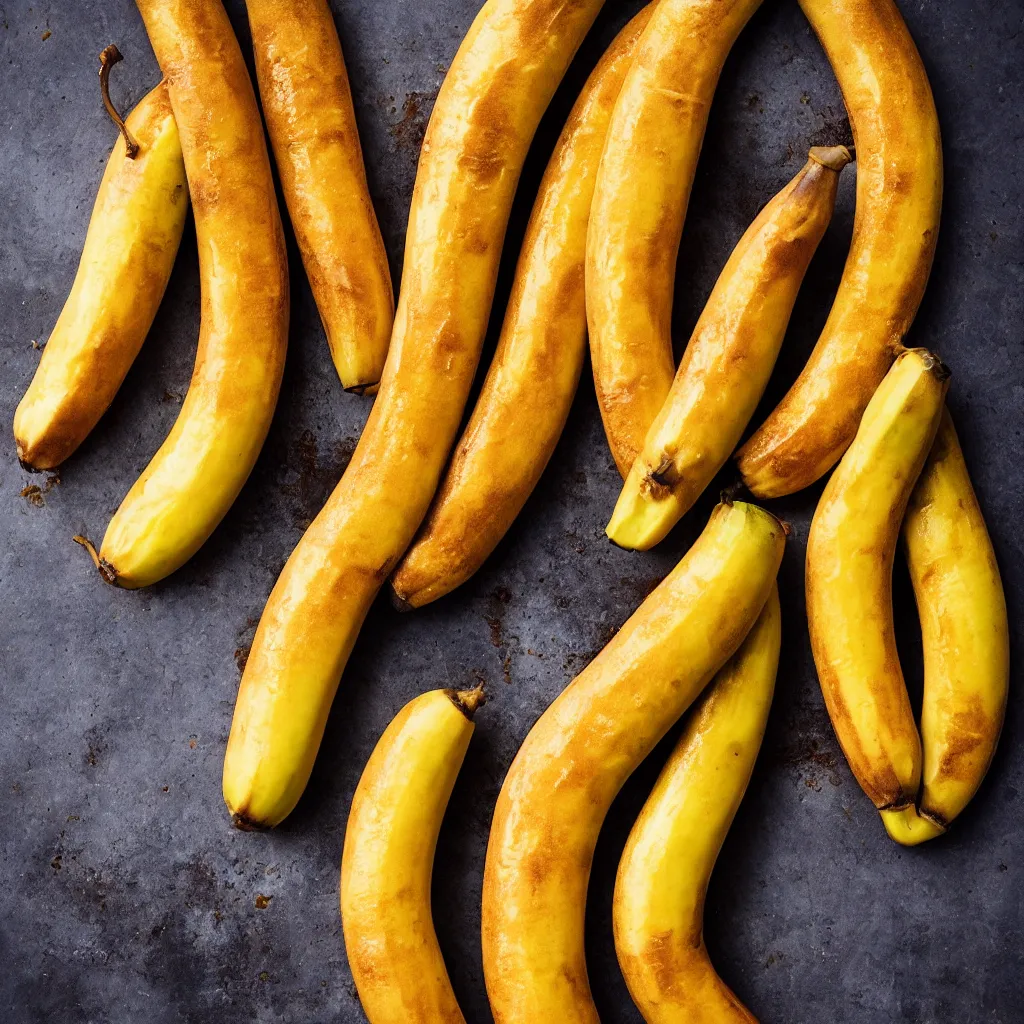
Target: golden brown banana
[850,552]
[492,99]
[134,232]
[899,196]
[658,910]
[529,388]
[964,630]
[312,126]
[730,357]
[196,475]
[640,198]
[389,858]
[585,746]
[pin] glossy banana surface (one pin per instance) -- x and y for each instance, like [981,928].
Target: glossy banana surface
[307,104]
[388,861]
[529,388]
[584,747]
[492,99]
[850,551]
[899,195]
[643,187]
[658,909]
[193,479]
[730,357]
[964,630]
[136,225]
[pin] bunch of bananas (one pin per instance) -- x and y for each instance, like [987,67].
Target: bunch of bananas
[598,261]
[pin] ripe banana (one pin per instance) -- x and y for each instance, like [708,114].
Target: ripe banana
[585,746]
[197,473]
[134,232]
[312,126]
[964,630]
[492,99]
[850,553]
[388,860]
[658,909]
[529,388]
[640,198]
[899,195]
[730,357]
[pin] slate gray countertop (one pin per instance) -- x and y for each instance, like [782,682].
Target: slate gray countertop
[125,895]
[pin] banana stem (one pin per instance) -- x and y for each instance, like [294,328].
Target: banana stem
[107,571]
[467,701]
[108,58]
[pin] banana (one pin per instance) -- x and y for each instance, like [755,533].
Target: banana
[658,908]
[307,104]
[850,552]
[195,476]
[492,99]
[584,747]
[134,231]
[899,196]
[388,860]
[730,357]
[964,630]
[529,388]
[640,198]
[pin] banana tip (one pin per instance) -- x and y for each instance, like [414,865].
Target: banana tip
[469,701]
[399,603]
[244,824]
[106,570]
[909,828]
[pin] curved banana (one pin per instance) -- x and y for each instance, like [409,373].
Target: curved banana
[640,198]
[312,126]
[133,236]
[584,747]
[964,630]
[388,860]
[899,196]
[850,552]
[197,473]
[730,357]
[492,99]
[529,388]
[658,909]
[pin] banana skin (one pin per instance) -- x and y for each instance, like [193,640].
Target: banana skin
[197,473]
[490,104]
[896,225]
[388,861]
[640,199]
[584,747]
[530,385]
[134,232]
[730,357]
[850,552]
[964,630]
[311,122]
[658,907]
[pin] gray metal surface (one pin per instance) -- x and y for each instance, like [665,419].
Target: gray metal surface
[125,895]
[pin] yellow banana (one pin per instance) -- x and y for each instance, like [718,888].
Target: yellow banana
[850,552]
[585,746]
[658,909]
[492,99]
[529,388]
[134,232]
[730,357]
[964,630]
[388,860]
[899,196]
[312,126]
[197,473]
[640,198]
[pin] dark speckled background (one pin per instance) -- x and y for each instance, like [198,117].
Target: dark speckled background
[127,896]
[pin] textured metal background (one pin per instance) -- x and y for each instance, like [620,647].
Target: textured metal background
[125,895]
